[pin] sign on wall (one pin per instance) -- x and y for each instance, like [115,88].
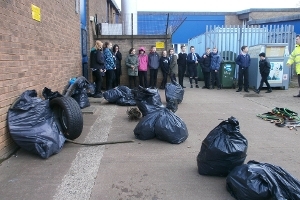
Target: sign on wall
[160,45]
[275,51]
[36,13]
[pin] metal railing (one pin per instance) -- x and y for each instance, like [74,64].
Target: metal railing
[229,39]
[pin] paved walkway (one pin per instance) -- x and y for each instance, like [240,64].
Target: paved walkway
[153,169]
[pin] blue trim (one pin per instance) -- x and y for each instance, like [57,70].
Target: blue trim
[83,13]
[83,38]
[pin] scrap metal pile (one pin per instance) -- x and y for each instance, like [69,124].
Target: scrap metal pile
[282,117]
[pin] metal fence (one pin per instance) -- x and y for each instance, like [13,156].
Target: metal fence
[229,39]
[142,24]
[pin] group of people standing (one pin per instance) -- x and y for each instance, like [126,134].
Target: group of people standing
[138,65]
[209,62]
[105,60]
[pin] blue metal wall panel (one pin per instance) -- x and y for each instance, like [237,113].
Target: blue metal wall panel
[196,25]
[295,23]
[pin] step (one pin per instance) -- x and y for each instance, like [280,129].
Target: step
[95,100]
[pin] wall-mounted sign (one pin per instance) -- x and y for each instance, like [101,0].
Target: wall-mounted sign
[160,45]
[275,51]
[36,13]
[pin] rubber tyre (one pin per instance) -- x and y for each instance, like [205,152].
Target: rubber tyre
[68,116]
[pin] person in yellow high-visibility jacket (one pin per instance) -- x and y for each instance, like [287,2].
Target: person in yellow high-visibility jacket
[295,59]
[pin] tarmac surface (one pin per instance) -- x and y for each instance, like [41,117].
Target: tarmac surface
[153,169]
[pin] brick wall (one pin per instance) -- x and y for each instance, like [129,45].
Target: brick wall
[99,8]
[33,54]
[232,20]
[124,43]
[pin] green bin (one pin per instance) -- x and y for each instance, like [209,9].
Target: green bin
[227,73]
[200,73]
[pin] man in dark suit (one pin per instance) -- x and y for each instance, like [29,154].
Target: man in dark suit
[181,61]
[243,61]
[205,64]
[192,62]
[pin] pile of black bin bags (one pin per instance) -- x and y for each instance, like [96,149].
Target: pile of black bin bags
[32,126]
[223,153]
[78,88]
[120,95]
[124,96]
[158,121]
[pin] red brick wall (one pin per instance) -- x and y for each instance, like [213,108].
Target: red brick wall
[33,54]
[99,8]
[94,7]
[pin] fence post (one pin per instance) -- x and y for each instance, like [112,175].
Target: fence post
[131,30]
[166,39]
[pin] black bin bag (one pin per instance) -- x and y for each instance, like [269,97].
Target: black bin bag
[48,94]
[174,95]
[120,95]
[261,181]
[32,127]
[162,124]
[127,98]
[112,95]
[223,149]
[174,91]
[81,97]
[77,89]
[171,128]
[147,100]
[145,129]
[172,105]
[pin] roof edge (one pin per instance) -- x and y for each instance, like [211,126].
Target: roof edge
[115,5]
[274,19]
[268,10]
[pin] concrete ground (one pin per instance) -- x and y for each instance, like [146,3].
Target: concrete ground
[153,169]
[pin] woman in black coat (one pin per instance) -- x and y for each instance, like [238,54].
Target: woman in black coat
[164,64]
[97,66]
[118,57]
